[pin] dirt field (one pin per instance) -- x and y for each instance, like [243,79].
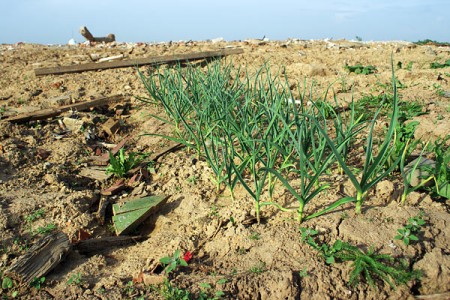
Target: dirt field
[41,185]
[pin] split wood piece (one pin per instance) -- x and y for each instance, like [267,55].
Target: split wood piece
[104,158]
[88,35]
[92,246]
[128,215]
[111,126]
[136,178]
[102,209]
[52,112]
[115,57]
[136,62]
[96,173]
[81,235]
[41,258]
[115,188]
[166,150]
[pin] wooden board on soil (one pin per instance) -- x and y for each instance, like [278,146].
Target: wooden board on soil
[128,215]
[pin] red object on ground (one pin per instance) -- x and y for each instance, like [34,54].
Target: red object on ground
[187,256]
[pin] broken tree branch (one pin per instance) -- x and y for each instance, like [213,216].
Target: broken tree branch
[135,62]
[51,112]
[88,35]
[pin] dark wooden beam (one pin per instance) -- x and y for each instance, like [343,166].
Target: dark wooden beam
[52,112]
[135,62]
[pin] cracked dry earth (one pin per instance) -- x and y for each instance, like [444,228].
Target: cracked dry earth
[40,170]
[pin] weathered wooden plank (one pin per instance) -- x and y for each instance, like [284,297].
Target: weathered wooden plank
[41,258]
[135,62]
[135,204]
[52,112]
[130,214]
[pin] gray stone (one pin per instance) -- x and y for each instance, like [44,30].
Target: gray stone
[418,170]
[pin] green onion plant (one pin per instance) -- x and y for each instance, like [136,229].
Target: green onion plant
[374,165]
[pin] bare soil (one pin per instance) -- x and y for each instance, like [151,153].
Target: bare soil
[40,169]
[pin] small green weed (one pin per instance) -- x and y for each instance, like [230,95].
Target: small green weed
[255,236]
[369,265]
[172,292]
[151,167]
[75,279]
[258,268]
[206,290]
[436,65]
[214,212]
[431,42]
[37,282]
[409,232]
[120,165]
[303,273]
[172,263]
[326,251]
[49,228]
[409,110]
[360,69]
[409,66]
[439,90]
[129,288]
[2,111]
[21,243]
[7,283]
[193,180]
[442,170]
[36,215]
[7,287]
[344,215]
[368,104]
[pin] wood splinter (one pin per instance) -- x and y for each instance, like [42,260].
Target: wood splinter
[88,35]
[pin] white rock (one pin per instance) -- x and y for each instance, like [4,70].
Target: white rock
[217,40]
[71,42]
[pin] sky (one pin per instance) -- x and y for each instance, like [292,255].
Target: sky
[57,21]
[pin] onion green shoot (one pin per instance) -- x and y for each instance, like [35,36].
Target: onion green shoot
[374,165]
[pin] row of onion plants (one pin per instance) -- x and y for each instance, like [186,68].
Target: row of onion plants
[252,132]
